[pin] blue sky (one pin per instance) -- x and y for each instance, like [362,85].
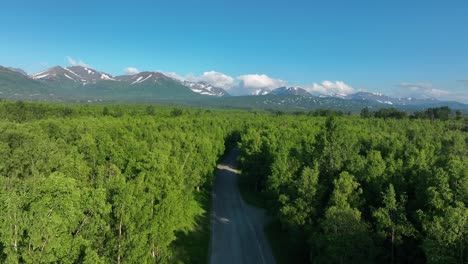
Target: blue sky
[403,48]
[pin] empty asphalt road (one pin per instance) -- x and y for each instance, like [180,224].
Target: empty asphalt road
[237,228]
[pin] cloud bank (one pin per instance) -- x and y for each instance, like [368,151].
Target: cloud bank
[74,62]
[421,90]
[330,88]
[214,78]
[248,84]
[426,90]
[240,85]
[131,70]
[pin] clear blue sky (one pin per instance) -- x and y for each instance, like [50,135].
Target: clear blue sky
[371,45]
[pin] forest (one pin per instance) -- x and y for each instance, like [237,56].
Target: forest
[377,189]
[99,184]
[119,183]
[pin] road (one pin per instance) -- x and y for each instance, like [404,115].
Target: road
[237,234]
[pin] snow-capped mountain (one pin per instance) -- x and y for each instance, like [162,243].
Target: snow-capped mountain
[76,83]
[205,88]
[375,97]
[387,100]
[263,91]
[18,70]
[54,73]
[295,90]
[77,74]
[90,75]
[143,78]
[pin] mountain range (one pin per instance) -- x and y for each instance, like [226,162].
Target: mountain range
[82,84]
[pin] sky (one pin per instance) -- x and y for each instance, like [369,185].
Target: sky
[400,48]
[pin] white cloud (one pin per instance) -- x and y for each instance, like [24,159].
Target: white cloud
[421,90]
[260,81]
[329,88]
[241,85]
[74,62]
[426,90]
[252,83]
[131,70]
[173,75]
[214,78]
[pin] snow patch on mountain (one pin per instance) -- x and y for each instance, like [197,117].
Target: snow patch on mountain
[137,80]
[149,76]
[70,71]
[261,92]
[204,88]
[106,77]
[41,76]
[294,90]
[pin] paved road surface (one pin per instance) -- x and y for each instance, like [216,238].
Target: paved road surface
[237,228]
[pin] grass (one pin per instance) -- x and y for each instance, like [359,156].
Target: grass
[193,246]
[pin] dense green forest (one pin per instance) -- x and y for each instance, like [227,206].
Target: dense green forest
[102,184]
[364,190]
[118,183]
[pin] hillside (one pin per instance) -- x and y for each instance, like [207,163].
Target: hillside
[79,84]
[17,86]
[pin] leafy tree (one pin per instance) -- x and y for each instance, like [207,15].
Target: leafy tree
[391,220]
[297,207]
[105,111]
[365,113]
[344,237]
[150,110]
[176,112]
[390,113]
[447,234]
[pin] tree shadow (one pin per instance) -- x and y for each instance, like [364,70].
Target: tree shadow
[192,246]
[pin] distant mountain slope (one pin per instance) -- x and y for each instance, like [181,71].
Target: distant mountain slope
[280,102]
[378,98]
[18,70]
[15,85]
[205,88]
[144,85]
[75,75]
[79,82]
[289,91]
[83,84]
[88,75]
[263,91]
[60,81]
[302,103]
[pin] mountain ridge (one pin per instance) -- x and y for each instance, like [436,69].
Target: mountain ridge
[84,84]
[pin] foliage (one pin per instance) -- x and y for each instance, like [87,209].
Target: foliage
[112,184]
[119,183]
[364,190]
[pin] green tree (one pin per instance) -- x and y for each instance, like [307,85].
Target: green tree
[298,206]
[344,236]
[391,220]
[447,235]
[365,113]
[105,111]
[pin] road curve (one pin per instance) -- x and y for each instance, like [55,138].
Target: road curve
[237,234]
